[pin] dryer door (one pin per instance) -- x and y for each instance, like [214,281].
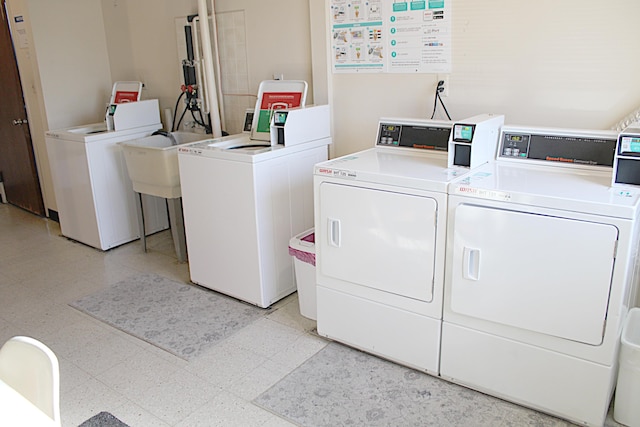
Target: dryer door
[378,239]
[545,274]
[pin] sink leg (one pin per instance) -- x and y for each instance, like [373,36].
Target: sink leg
[176,221]
[141,228]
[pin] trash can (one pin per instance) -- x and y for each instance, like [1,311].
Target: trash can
[626,406]
[302,248]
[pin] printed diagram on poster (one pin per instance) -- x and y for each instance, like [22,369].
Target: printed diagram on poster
[357,35]
[391,36]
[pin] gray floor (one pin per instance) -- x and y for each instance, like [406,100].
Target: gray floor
[103,369]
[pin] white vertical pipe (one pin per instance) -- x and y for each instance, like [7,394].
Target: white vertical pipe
[168,119]
[208,68]
[200,76]
[217,62]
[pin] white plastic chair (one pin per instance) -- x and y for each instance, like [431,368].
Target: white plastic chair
[32,369]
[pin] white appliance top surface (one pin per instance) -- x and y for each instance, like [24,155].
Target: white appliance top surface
[242,148]
[409,168]
[580,190]
[97,132]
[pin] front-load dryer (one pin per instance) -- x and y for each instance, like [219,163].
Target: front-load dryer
[380,240]
[540,272]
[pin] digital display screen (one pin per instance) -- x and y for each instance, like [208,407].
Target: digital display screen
[422,137]
[515,145]
[629,145]
[279,117]
[572,149]
[463,133]
[248,120]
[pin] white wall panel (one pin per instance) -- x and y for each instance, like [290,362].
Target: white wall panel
[546,63]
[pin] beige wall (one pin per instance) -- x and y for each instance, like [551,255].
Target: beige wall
[78,48]
[70,44]
[143,46]
[547,63]
[65,77]
[278,38]
[141,36]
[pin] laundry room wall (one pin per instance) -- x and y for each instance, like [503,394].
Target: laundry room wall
[278,38]
[142,44]
[546,63]
[78,48]
[274,34]
[70,44]
[261,39]
[65,78]
[569,63]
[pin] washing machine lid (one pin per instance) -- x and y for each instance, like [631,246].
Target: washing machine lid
[425,170]
[98,132]
[578,190]
[242,148]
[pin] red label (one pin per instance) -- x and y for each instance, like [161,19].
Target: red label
[279,100]
[125,96]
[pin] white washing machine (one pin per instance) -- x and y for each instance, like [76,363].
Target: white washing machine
[243,200]
[541,270]
[94,195]
[380,239]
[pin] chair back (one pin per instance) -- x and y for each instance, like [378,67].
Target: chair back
[32,369]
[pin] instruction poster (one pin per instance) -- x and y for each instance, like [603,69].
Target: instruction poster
[391,36]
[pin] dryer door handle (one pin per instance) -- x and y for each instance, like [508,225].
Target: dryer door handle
[334,232]
[471,263]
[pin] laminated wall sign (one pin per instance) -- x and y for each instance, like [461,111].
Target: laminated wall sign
[391,36]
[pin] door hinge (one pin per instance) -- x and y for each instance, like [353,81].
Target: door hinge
[615,250]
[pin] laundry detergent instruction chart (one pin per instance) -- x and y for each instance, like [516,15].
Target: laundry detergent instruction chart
[391,36]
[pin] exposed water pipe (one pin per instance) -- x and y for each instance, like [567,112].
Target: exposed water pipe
[211,93]
[217,61]
[200,75]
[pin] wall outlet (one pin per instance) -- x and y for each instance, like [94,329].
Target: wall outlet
[444,78]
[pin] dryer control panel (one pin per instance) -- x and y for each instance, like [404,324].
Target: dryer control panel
[626,169]
[418,134]
[568,146]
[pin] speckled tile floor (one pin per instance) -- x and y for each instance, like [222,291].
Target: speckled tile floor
[104,369]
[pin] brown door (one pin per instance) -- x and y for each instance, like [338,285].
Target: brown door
[17,161]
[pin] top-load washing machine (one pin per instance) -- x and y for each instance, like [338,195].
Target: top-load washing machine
[541,270]
[380,225]
[94,195]
[244,199]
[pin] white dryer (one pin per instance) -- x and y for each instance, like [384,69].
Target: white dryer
[380,239]
[541,269]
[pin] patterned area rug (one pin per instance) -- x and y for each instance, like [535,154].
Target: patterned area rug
[340,386]
[180,318]
[103,419]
